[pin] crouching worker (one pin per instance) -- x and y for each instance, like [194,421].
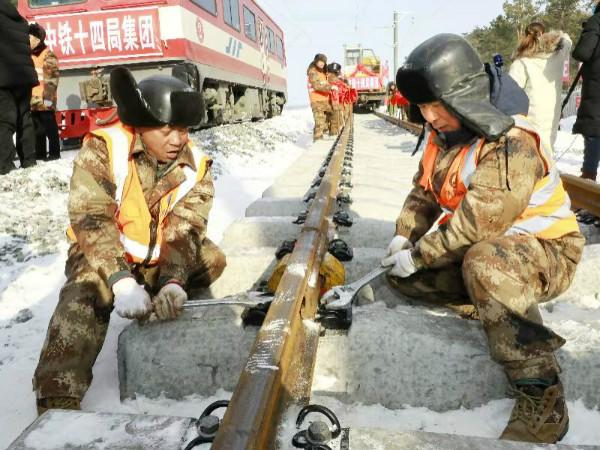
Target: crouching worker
[507,238]
[140,196]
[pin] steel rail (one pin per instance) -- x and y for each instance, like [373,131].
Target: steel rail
[583,193]
[414,128]
[279,370]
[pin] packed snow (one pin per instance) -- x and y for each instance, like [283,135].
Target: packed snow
[247,159]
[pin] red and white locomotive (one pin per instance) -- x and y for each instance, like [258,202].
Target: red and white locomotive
[230,50]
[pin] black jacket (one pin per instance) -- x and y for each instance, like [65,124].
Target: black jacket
[586,51]
[16,66]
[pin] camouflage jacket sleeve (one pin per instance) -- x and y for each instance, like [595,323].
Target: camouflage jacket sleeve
[419,213]
[185,231]
[318,83]
[490,207]
[92,209]
[51,74]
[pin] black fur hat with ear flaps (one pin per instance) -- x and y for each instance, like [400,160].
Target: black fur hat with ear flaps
[447,68]
[155,101]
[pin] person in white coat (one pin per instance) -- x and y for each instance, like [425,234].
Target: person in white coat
[538,68]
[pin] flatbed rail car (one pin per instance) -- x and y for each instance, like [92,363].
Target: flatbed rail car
[231,50]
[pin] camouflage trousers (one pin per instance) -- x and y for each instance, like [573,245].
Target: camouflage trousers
[80,321]
[505,278]
[322,112]
[336,119]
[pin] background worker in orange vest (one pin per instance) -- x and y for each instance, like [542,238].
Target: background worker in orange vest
[333,78]
[507,238]
[318,92]
[141,192]
[43,96]
[17,77]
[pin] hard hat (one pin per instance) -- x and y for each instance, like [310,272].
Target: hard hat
[447,68]
[155,101]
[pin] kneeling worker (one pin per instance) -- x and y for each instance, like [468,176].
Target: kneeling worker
[507,238]
[140,196]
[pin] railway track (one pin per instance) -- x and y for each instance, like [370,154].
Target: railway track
[584,194]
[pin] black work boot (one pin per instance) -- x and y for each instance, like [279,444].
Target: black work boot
[586,175]
[44,404]
[540,413]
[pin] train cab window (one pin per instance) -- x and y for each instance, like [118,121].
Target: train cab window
[46,3]
[271,40]
[352,57]
[249,24]
[279,47]
[231,13]
[207,5]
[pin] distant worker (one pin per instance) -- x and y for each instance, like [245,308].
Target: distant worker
[333,78]
[538,68]
[319,91]
[17,77]
[43,97]
[505,227]
[396,102]
[141,192]
[588,114]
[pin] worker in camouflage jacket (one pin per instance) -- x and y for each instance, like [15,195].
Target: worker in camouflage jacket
[141,193]
[318,92]
[336,118]
[506,238]
[43,96]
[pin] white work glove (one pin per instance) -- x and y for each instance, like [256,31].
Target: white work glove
[132,301]
[402,262]
[169,301]
[397,244]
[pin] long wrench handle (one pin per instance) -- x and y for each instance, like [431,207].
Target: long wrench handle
[356,285]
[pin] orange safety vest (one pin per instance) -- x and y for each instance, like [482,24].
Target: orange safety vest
[317,96]
[133,218]
[38,62]
[548,214]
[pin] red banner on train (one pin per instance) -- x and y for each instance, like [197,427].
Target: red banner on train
[96,37]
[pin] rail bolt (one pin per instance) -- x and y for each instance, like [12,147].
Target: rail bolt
[318,433]
[209,425]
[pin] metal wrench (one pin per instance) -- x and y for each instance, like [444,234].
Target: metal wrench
[341,297]
[251,298]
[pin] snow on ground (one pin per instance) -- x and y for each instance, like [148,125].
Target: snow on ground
[568,149]
[247,158]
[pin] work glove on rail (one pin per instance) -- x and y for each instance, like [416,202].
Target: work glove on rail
[132,301]
[169,301]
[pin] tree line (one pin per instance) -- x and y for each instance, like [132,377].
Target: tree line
[503,33]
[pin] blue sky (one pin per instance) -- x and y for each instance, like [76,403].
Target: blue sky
[324,26]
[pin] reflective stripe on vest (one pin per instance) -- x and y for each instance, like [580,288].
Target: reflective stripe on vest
[38,62]
[548,214]
[133,216]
